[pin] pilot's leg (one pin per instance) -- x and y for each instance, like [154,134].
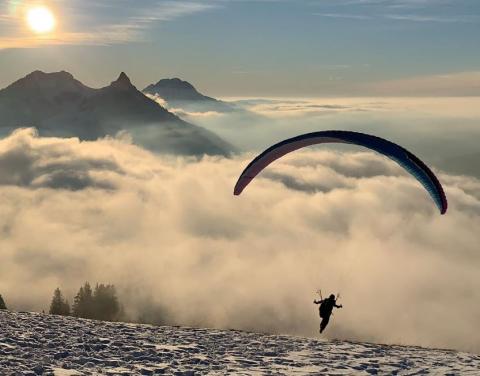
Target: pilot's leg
[324,323]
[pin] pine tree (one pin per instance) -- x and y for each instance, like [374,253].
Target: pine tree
[83,302]
[106,305]
[56,304]
[59,306]
[78,303]
[2,303]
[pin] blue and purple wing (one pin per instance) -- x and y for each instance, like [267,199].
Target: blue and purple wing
[393,151]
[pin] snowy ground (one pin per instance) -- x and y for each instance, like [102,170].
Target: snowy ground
[35,344]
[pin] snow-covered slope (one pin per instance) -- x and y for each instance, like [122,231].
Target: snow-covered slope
[39,344]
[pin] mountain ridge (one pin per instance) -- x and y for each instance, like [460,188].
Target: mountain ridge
[59,105]
[182,94]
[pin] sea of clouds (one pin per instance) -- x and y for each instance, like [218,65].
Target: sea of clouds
[443,131]
[181,249]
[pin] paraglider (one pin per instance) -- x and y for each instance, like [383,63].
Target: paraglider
[325,309]
[403,157]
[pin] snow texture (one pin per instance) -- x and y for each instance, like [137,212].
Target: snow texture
[38,344]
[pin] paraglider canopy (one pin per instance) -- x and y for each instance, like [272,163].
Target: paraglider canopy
[393,151]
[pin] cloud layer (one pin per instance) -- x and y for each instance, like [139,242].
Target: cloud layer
[170,234]
[442,131]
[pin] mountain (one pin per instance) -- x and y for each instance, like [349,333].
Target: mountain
[39,96]
[182,94]
[40,344]
[59,105]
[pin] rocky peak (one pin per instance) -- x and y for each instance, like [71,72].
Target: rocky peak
[122,82]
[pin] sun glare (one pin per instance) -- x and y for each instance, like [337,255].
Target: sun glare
[41,20]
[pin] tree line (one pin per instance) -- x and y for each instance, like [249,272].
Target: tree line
[100,303]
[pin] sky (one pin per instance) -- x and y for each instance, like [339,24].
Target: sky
[255,47]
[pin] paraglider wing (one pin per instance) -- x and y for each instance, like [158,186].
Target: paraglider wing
[393,151]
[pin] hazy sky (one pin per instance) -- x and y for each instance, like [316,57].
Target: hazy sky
[248,47]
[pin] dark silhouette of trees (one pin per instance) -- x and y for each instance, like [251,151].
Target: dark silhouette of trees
[105,303]
[83,302]
[2,303]
[100,304]
[59,306]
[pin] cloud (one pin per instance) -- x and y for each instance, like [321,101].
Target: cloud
[98,23]
[420,11]
[423,18]
[447,84]
[402,17]
[442,131]
[324,171]
[169,232]
[183,113]
[162,102]
[53,163]
[344,15]
[282,108]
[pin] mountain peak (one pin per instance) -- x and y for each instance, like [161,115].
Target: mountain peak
[38,74]
[179,93]
[176,83]
[123,77]
[175,89]
[47,84]
[122,82]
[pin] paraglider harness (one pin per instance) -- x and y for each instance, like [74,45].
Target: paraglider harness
[323,309]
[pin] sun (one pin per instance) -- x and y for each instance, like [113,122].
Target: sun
[41,20]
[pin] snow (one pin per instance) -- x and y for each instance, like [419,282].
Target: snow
[65,372]
[38,344]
